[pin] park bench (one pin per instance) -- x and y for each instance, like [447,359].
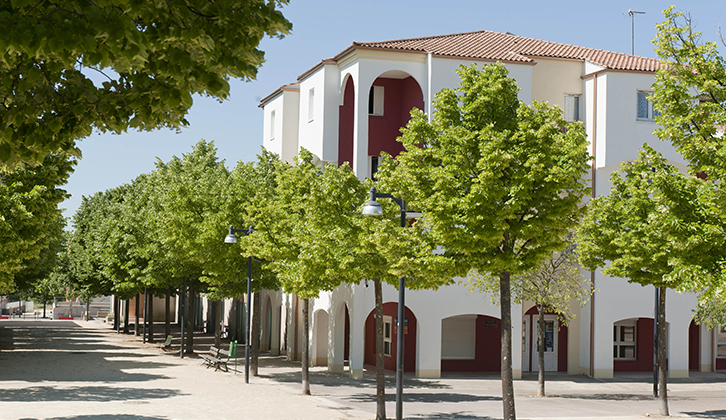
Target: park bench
[166,344]
[219,358]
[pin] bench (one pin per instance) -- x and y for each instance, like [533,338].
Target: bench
[219,358]
[166,344]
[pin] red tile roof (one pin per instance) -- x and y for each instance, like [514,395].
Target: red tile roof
[496,46]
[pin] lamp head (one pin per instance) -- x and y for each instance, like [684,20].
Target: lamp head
[372,208]
[231,238]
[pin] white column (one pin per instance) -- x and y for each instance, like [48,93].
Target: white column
[336,337]
[358,313]
[428,347]
[516,341]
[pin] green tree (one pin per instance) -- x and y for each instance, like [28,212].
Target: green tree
[30,219]
[67,68]
[304,231]
[553,285]
[499,182]
[689,93]
[657,227]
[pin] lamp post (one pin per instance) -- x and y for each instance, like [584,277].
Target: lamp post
[231,238]
[373,208]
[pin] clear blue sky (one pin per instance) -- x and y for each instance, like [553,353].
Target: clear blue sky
[322,28]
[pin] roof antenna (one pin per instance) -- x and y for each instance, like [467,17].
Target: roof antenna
[632,14]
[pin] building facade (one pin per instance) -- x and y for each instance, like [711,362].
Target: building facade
[351,107]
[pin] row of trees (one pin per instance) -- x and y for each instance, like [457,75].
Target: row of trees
[500,184]
[491,213]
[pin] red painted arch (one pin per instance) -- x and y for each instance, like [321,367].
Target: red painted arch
[409,343]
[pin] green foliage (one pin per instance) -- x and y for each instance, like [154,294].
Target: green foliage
[303,225]
[657,227]
[499,182]
[690,94]
[30,219]
[67,68]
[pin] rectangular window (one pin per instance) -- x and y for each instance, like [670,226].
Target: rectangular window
[721,342]
[311,104]
[645,111]
[387,335]
[624,341]
[374,167]
[572,108]
[375,100]
[272,125]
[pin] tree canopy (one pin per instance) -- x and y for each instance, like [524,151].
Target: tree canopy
[30,219]
[499,182]
[67,68]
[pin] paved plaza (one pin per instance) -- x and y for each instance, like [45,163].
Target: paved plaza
[75,370]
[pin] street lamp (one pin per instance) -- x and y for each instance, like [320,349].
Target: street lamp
[231,238]
[373,208]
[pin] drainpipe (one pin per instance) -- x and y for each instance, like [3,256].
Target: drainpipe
[429,100]
[593,175]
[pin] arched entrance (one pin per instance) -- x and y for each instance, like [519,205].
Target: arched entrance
[471,343]
[390,338]
[694,347]
[555,342]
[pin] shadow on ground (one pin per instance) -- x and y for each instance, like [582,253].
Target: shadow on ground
[413,397]
[83,393]
[606,397]
[711,414]
[460,415]
[106,417]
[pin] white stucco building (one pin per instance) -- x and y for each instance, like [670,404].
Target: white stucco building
[350,107]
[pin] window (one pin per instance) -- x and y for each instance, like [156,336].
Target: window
[387,335]
[645,111]
[311,104]
[572,108]
[721,342]
[624,340]
[375,100]
[374,167]
[272,125]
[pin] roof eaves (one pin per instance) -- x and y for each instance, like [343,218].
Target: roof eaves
[284,88]
[315,68]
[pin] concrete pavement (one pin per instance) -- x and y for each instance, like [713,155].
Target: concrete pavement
[65,370]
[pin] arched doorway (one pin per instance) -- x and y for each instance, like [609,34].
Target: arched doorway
[694,347]
[390,338]
[555,342]
[471,343]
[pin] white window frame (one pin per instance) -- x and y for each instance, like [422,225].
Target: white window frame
[311,104]
[387,336]
[576,112]
[376,98]
[619,340]
[650,112]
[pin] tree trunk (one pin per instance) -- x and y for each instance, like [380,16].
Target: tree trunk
[150,315]
[188,318]
[255,340]
[45,303]
[540,353]
[167,313]
[127,305]
[506,313]
[217,323]
[380,375]
[136,315]
[662,347]
[305,348]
